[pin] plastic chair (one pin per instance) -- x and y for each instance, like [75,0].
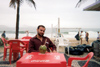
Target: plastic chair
[89,56]
[62,43]
[26,37]
[5,47]
[15,48]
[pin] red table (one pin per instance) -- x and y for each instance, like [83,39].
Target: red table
[36,59]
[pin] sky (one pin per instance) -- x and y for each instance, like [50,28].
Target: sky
[47,13]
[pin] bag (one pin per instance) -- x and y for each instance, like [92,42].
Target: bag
[95,43]
[77,37]
[87,48]
[74,50]
[79,49]
[96,48]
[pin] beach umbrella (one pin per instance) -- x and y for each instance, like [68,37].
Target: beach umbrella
[13,3]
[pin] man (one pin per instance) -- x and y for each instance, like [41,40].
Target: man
[27,33]
[81,36]
[3,34]
[39,39]
[98,37]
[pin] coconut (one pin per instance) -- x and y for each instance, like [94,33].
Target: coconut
[42,49]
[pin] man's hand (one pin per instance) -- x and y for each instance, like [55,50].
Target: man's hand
[54,51]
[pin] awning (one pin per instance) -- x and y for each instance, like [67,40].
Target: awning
[93,7]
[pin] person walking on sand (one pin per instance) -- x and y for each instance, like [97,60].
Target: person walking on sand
[87,37]
[81,36]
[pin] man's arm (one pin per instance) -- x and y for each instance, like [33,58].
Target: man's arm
[31,47]
[52,46]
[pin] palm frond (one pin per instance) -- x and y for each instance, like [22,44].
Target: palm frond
[32,2]
[13,3]
[21,1]
[80,2]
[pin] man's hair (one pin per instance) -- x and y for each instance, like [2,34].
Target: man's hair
[4,31]
[40,26]
[81,31]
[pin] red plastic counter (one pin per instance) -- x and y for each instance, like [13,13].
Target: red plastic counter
[36,59]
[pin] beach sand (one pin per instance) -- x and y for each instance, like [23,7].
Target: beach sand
[73,41]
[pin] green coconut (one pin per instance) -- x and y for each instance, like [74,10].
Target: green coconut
[42,49]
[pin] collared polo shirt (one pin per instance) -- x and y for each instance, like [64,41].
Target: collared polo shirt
[35,43]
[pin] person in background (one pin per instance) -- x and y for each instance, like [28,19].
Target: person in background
[3,34]
[38,40]
[81,36]
[27,33]
[87,37]
[98,35]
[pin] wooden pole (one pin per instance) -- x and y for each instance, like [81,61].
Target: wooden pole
[58,25]
[51,30]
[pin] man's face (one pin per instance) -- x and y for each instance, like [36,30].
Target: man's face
[41,31]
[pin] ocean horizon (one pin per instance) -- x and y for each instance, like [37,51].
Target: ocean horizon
[67,33]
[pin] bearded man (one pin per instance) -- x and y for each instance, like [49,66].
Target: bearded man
[39,39]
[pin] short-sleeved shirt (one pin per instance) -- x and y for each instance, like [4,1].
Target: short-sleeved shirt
[35,43]
[81,35]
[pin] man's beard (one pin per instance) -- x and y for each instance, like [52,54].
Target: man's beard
[40,35]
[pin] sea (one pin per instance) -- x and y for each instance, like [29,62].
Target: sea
[67,33]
